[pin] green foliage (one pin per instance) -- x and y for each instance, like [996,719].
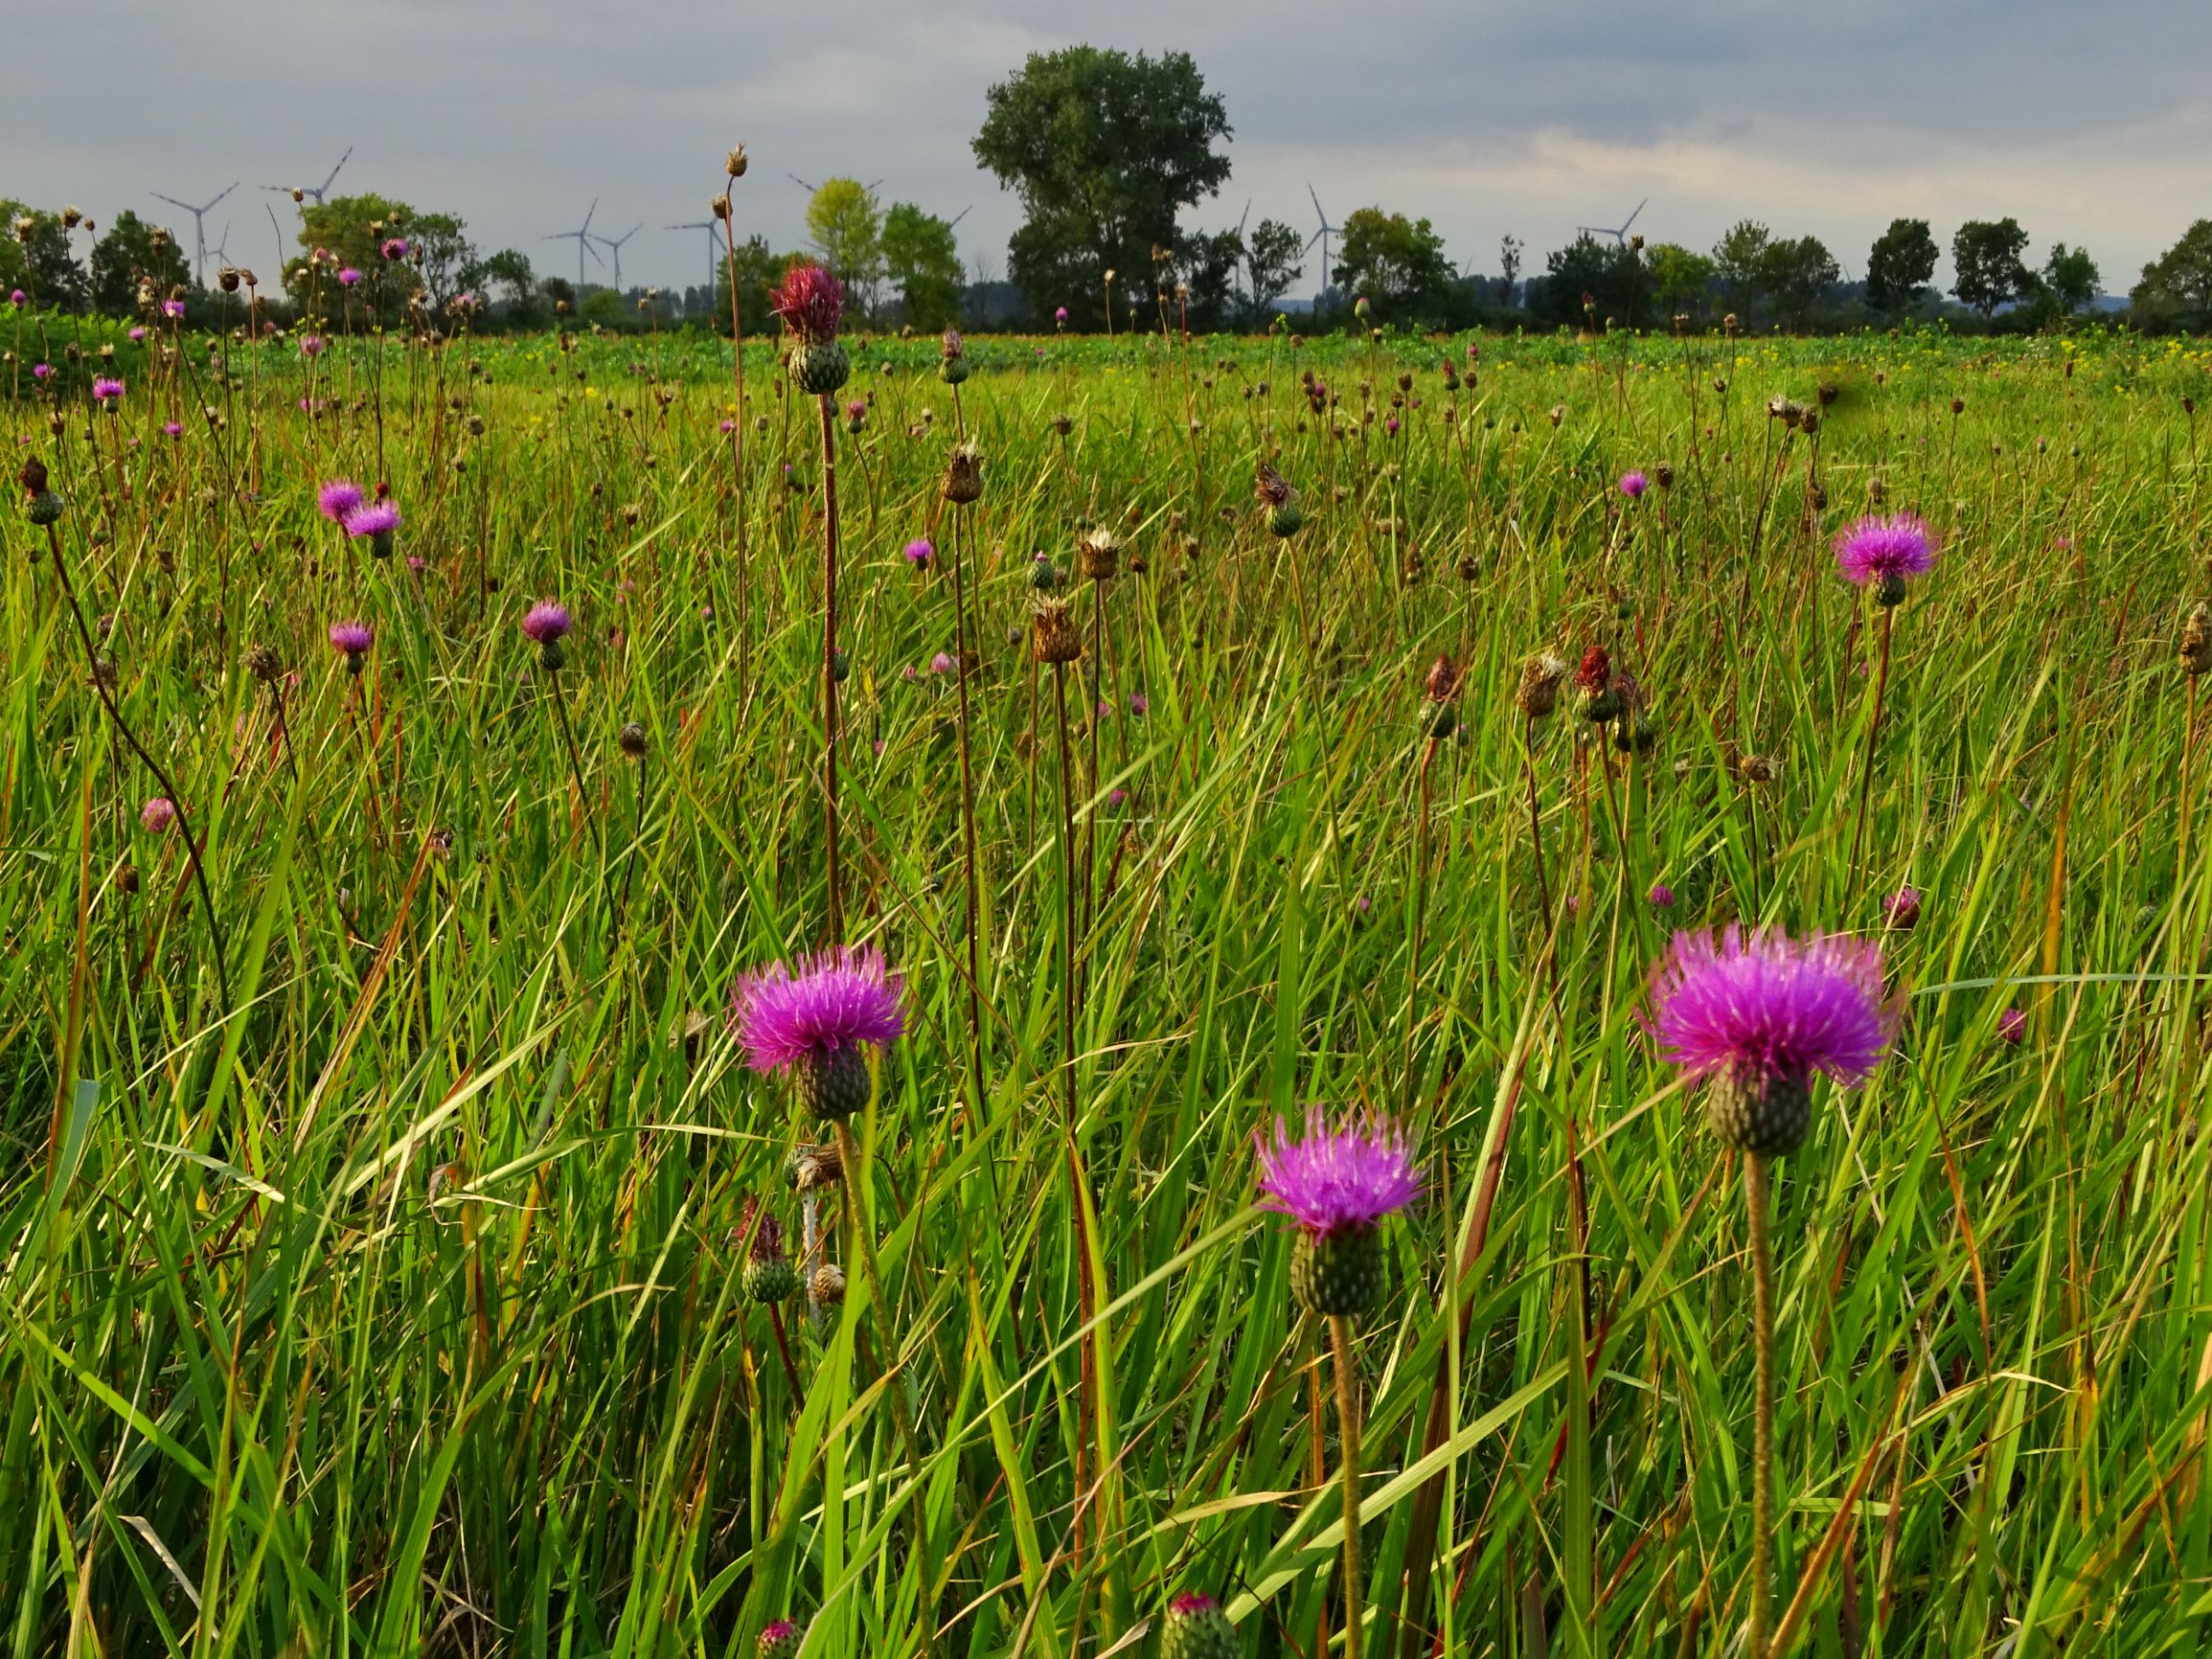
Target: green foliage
[845,223]
[126,255]
[1105,150]
[1900,266]
[2071,277]
[1797,271]
[1274,258]
[923,259]
[1394,263]
[1592,281]
[35,256]
[759,270]
[1985,257]
[2177,287]
[1741,265]
[1681,279]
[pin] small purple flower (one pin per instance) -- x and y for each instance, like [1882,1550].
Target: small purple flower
[380,518]
[1059,314]
[136,335]
[106,390]
[836,1001]
[1902,909]
[173,428]
[394,248]
[1140,705]
[1390,427]
[919,553]
[339,500]
[351,637]
[909,676]
[546,621]
[172,309]
[18,299]
[1633,485]
[1348,1179]
[1662,895]
[348,277]
[1885,550]
[157,814]
[312,345]
[728,427]
[941,663]
[2013,1026]
[1117,797]
[415,563]
[40,371]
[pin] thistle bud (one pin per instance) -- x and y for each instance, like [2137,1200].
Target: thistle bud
[631,740]
[1196,1628]
[737,163]
[1539,691]
[1101,552]
[827,1287]
[781,1640]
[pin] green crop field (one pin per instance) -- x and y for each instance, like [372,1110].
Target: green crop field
[400,1255]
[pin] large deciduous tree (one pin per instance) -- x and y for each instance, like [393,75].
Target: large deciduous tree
[846,225]
[923,259]
[131,251]
[1396,264]
[1739,262]
[1899,265]
[1103,150]
[1592,282]
[1273,257]
[1985,256]
[2177,287]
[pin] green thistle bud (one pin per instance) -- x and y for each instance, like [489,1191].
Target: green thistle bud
[771,1280]
[836,1084]
[1196,1628]
[779,1641]
[1284,520]
[1769,1115]
[1339,1272]
[818,366]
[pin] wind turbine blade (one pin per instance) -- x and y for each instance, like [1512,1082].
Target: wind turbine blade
[1243,217]
[1314,237]
[333,180]
[1640,207]
[226,189]
[961,214]
[1317,212]
[173,201]
[588,211]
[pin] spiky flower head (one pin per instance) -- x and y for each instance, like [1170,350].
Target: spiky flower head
[106,390]
[779,1641]
[964,475]
[1272,487]
[1902,909]
[354,638]
[810,301]
[379,518]
[157,814]
[1053,635]
[1633,485]
[818,1021]
[338,500]
[1196,1628]
[1100,552]
[919,553]
[1757,1015]
[1337,1179]
[1881,552]
[546,621]
[2012,1027]
[2197,640]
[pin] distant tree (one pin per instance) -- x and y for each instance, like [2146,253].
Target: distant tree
[846,225]
[2072,277]
[126,254]
[2177,287]
[356,229]
[759,269]
[921,256]
[1274,258]
[1986,257]
[438,248]
[1682,279]
[559,292]
[1592,280]
[1509,251]
[1797,271]
[1396,263]
[1739,262]
[1900,266]
[34,256]
[1203,276]
[1105,150]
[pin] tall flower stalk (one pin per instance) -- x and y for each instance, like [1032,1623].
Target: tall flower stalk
[811,303]
[961,489]
[1338,1185]
[1880,553]
[1755,1016]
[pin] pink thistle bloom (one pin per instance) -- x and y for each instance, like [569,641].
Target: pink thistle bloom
[781,1630]
[172,309]
[1117,797]
[941,663]
[40,371]
[729,426]
[394,248]
[811,303]
[1662,895]
[380,519]
[919,553]
[834,1001]
[351,637]
[1633,485]
[136,335]
[1902,909]
[1390,425]
[18,299]
[173,428]
[1140,705]
[2012,1025]
[312,345]
[1885,549]
[1347,1178]
[1060,313]
[1767,1006]
[338,500]
[157,814]
[546,621]
[348,277]
[104,389]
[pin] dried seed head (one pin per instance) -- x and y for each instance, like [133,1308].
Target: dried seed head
[631,738]
[1272,487]
[1101,552]
[964,475]
[720,207]
[264,665]
[1053,637]
[738,162]
[1539,691]
[2197,640]
[827,1285]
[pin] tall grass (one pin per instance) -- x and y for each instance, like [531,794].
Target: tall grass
[400,1311]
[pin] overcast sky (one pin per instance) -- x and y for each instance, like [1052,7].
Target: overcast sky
[2090,123]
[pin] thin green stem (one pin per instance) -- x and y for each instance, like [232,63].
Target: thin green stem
[1348,1439]
[1755,1203]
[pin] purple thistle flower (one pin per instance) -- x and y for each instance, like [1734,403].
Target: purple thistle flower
[546,621]
[339,500]
[1662,895]
[1140,705]
[1633,485]
[348,277]
[39,370]
[106,390]
[172,309]
[173,428]
[312,345]
[351,637]
[157,814]
[1117,797]
[1192,1603]
[1351,1177]
[394,248]
[17,297]
[1884,550]
[941,663]
[811,302]
[1757,1015]
[837,999]
[919,553]
[729,426]
[380,519]
[1060,313]
[136,335]
[2012,1025]
[1390,425]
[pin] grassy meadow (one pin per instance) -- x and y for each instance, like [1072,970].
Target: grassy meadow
[378,1187]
